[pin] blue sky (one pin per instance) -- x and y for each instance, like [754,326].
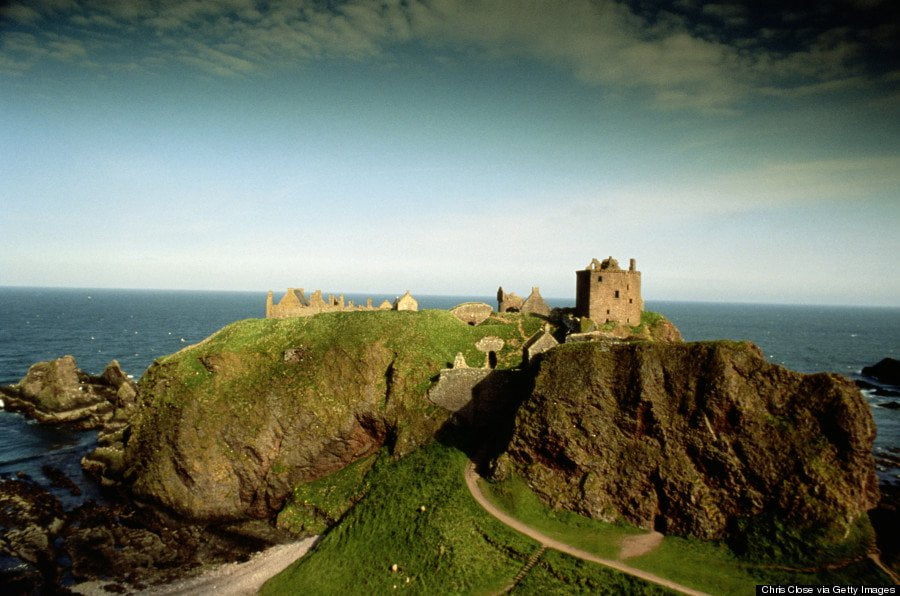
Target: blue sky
[739,151]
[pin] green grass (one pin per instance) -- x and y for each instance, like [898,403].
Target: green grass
[650,318]
[316,505]
[650,321]
[452,547]
[707,566]
[426,341]
[556,573]
[514,497]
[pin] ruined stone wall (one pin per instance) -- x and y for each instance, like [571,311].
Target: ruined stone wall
[295,304]
[610,294]
[472,313]
[508,302]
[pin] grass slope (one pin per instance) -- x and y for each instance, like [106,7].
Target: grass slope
[453,546]
[705,566]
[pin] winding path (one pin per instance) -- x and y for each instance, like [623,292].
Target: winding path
[471,482]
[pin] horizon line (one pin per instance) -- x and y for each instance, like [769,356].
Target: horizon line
[357,293]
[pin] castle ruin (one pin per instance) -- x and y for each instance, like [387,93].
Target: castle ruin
[604,292]
[534,304]
[294,303]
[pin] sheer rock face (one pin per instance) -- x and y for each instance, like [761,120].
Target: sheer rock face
[694,439]
[58,392]
[226,429]
[240,456]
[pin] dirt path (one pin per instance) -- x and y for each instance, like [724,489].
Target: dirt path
[877,560]
[231,579]
[471,482]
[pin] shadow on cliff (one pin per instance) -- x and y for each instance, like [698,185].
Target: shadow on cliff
[483,427]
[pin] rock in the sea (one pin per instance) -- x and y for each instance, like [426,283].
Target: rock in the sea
[700,439]
[58,392]
[41,545]
[886,370]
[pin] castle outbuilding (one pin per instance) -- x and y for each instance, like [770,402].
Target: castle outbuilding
[535,304]
[511,302]
[406,302]
[604,292]
[508,301]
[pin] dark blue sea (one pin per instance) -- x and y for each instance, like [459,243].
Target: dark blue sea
[137,326]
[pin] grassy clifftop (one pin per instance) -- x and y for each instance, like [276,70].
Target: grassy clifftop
[226,428]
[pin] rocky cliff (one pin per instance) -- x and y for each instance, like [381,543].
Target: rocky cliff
[701,439]
[225,429]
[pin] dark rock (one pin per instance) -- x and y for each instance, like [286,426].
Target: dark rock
[878,390]
[58,479]
[58,392]
[886,371]
[30,520]
[886,519]
[126,389]
[40,543]
[696,439]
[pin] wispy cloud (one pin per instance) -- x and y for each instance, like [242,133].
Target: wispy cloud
[766,186]
[601,42]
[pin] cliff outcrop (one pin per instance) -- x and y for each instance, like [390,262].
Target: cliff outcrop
[700,439]
[226,428]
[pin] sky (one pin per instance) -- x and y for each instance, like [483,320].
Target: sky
[740,151]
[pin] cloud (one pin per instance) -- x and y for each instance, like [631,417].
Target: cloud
[732,14]
[20,13]
[601,42]
[768,186]
[216,61]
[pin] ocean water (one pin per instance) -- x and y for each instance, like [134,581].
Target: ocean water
[137,326]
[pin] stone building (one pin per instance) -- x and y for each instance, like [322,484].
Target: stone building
[535,304]
[605,292]
[538,343]
[510,302]
[406,302]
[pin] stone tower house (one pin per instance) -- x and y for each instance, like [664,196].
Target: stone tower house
[604,292]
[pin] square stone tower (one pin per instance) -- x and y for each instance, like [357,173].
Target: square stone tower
[604,292]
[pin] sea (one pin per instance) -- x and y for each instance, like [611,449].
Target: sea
[137,326]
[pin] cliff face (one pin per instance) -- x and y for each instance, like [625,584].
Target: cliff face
[701,439]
